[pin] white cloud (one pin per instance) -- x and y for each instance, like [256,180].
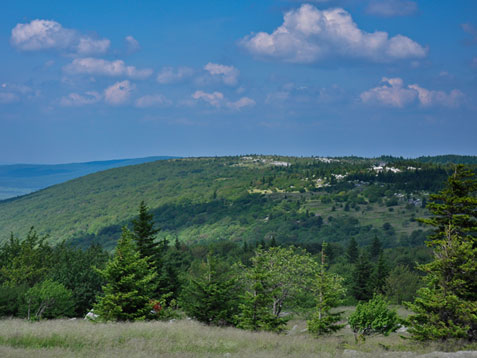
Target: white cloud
[118,93]
[214,99]
[309,35]
[241,103]
[169,75]
[217,99]
[75,99]
[97,66]
[388,8]
[132,44]
[229,74]
[152,101]
[393,93]
[48,34]
[88,46]
[430,98]
[8,97]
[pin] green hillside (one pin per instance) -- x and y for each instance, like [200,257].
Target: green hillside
[249,198]
[21,179]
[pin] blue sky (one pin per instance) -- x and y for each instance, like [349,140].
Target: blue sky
[95,80]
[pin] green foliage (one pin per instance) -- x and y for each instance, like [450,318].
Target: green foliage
[276,276]
[25,262]
[401,285]
[329,292]
[48,299]
[130,284]
[447,306]
[211,297]
[374,316]
[74,268]
[11,300]
[362,286]
[352,251]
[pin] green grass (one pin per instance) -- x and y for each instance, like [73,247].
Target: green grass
[79,338]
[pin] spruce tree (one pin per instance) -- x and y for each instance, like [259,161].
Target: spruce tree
[130,284]
[380,274]
[211,297]
[145,233]
[329,291]
[156,252]
[362,286]
[376,248]
[447,306]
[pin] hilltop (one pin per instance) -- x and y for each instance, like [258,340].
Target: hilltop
[248,198]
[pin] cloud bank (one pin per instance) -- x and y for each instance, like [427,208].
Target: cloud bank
[393,93]
[97,66]
[50,35]
[389,8]
[310,35]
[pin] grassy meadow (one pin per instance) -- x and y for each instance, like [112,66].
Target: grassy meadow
[186,338]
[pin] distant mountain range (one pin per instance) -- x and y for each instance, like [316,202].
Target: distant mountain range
[21,179]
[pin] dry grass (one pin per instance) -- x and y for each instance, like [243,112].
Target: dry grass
[78,338]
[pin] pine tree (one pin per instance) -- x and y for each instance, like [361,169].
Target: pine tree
[329,292]
[130,284]
[380,274]
[376,248]
[362,288]
[156,252]
[447,306]
[145,233]
[211,298]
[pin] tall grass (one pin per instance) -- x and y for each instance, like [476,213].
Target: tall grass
[78,338]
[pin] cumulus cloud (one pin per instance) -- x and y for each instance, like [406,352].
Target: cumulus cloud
[8,97]
[241,103]
[97,66]
[51,35]
[393,93]
[217,99]
[309,35]
[75,99]
[429,97]
[152,101]
[132,44]
[229,74]
[214,99]
[171,75]
[118,93]
[389,8]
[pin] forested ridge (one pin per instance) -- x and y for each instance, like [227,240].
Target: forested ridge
[245,241]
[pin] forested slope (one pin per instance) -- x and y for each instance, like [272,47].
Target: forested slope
[250,198]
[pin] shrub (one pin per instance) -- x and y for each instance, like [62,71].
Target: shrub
[374,316]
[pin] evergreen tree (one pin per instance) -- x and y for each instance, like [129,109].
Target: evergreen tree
[380,274]
[160,259]
[145,233]
[362,287]
[130,284]
[447,306]
[211,298]
[376,248]
[329,292]
[352,251]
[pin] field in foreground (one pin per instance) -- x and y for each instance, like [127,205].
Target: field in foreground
[78,338]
